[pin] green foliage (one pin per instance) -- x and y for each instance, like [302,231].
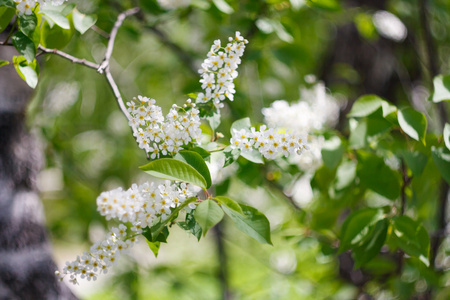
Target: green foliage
[441,86]
[172,169]
[441,158]
[207,214]
[6,15]
[26,70]
[24,45]
[196,161]
[82,22]
[413,123]
[249,221]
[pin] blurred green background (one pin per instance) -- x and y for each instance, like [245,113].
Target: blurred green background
[89,147]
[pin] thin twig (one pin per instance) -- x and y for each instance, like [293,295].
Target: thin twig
[112,37]
[100,31]
[69,57]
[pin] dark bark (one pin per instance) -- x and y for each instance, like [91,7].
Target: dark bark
[27,270]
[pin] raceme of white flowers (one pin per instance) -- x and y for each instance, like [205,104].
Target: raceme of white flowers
[158,135]
[26,6]
[219,69]
[140,205]
[269,142]
[101,256]
[143,204]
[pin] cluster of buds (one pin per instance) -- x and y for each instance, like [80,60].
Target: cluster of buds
[163,136]
[219,70]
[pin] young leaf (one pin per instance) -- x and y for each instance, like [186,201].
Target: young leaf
[203,153]
[24,45]
[6,15]
[231,155]
[412,238]
[253,156]
[251,222]
[208,213]
[441,85]
[57,17]
[196,161]
[4,63]
[28,24]
[172,169]
[82,22]
[413,123]
[240,124]
[377,176]
[372,244]
[154,246]
[214,120]
[441,158]
[55,37]
[191,225]
[447,135]
[28,71]
[229,203]
[357,226]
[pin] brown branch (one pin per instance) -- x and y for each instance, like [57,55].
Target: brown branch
[112,37]
[69,57]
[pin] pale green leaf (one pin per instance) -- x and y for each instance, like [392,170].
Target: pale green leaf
[413,123]
[207,214]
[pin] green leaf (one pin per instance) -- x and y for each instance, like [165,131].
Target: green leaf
[441,158]
[55,17]
[251,221]
[163,234]
[446,135]
[82,22]
[27,24]
[229,203]
[172,169]
[223,6]
[231,155]
[24,45]
[253,156]
[4,63]
[207,214]
[377,176]
[196,161]
[191,225]
[357,226]
[345,175]
[6,15]
[368,104]
[154,246]
[416,161]
[55,36]
[372,243]
[412,238]
[28,71]
[413,123]
[240,124]
[8,3]
[203,153]
[441,85]
[332,152]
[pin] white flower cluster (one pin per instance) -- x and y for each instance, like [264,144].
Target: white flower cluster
[173,4]
[269,142]
[219,70]
[26,6]
[143,204]
[315,109]
[158,135]
[100,257]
